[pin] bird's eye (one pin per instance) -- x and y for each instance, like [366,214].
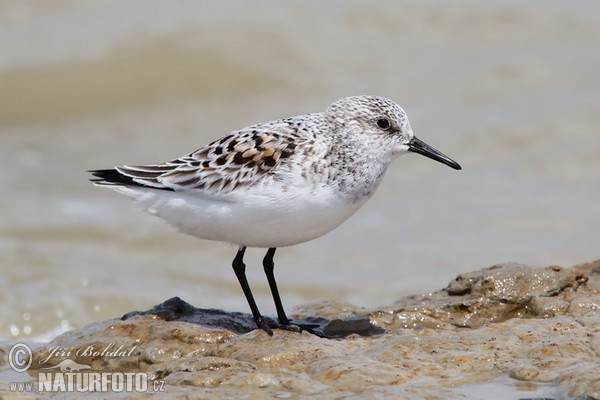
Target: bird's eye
[383,123]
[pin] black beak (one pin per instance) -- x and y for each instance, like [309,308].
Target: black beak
[420,147]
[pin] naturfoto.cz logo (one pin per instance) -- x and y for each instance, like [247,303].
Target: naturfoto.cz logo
[70,376]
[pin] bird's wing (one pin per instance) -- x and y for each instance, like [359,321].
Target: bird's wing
[236,160]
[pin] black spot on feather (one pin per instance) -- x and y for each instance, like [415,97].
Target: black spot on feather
[239,158]
[269,161]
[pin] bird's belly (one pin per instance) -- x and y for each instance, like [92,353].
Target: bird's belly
[253,221]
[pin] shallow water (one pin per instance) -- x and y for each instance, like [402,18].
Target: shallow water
[507,89]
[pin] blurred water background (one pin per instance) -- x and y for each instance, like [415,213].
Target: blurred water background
[509,89]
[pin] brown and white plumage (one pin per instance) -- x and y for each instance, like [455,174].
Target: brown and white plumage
[238,159]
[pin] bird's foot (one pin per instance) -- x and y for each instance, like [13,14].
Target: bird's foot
[298,327]
[262,324]
[290,326]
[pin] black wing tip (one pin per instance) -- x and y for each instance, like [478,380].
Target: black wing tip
[111,176]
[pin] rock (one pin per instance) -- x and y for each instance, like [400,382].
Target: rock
[176,309]
[533,328]
[493,294]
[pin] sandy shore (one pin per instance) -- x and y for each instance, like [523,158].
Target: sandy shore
[503,329]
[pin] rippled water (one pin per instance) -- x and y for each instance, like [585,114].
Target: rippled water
[508,89]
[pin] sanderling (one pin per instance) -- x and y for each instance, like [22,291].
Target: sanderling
[276,183]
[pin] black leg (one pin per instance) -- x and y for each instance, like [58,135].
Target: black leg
[240,271]
[269,266]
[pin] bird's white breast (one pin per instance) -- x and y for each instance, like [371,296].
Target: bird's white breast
[271,217]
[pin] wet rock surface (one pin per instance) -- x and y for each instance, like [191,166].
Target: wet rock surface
[493,294]
[533,331]
[176,309]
